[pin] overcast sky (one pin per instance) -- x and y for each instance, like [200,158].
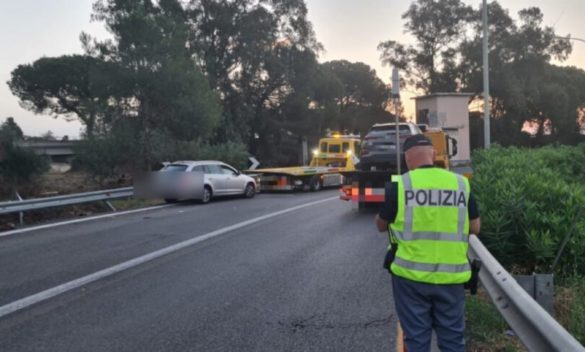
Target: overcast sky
[349,29]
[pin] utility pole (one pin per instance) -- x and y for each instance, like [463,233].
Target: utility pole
[486,80]
[396,101]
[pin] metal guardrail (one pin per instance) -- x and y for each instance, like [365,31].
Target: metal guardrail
[537,330]
[59,201]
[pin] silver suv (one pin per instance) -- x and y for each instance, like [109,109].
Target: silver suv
[378,150]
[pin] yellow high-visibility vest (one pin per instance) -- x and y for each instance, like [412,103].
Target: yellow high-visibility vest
[432,227]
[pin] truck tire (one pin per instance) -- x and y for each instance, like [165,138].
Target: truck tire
[315,185]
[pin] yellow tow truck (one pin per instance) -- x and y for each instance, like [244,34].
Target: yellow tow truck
[335,153]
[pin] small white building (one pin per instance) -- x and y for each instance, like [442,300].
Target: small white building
[450,112]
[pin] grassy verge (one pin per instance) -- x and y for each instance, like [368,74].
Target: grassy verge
[131,203]
[570,306]
[485,328]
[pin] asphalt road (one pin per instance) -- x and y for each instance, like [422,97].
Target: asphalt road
[307,280]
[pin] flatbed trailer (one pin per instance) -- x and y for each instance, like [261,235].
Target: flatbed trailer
[299,178]
[335,154]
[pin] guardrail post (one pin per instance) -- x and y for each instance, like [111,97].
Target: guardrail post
[540,287]
[544,291]
[526,282]
[21,214]
[110,205]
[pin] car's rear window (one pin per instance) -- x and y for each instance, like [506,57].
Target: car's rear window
[175,168]
[401,128]
[213,169]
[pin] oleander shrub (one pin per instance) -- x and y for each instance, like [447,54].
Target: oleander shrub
[529,200]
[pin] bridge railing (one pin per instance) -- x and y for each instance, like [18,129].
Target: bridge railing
[537,330]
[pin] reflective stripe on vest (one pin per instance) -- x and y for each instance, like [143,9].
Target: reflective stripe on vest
[432,236]
[433,268]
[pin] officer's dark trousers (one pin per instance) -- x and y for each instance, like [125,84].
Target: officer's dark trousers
[423,307]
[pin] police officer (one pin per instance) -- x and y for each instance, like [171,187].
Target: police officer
[430,213]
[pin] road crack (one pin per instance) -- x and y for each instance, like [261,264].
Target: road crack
[315,322]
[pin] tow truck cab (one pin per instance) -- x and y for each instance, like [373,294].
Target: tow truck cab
[335,150]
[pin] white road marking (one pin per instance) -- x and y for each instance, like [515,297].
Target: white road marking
[71,285]
[76,221]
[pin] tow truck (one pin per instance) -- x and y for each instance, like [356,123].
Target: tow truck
[367,187]
[335,154]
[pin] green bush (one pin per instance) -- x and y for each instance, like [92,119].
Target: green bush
[109,156]
[124,151]
[530,199]
[18,167]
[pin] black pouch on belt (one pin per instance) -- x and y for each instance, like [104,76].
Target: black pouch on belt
[389,258]
[472,284]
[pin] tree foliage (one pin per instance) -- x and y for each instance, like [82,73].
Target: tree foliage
[68,86]
[525,86]
[364,98]
[10,131]
[255,53]
[157,82]
[438,27]
[177,74]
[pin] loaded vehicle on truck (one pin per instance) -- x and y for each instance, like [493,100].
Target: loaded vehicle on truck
[366,184]
[335,153]
[378,149]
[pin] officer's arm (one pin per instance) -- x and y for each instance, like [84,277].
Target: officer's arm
[381,224]
[473,212]
[475,226]
[389,209]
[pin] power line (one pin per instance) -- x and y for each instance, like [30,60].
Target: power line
[571,38]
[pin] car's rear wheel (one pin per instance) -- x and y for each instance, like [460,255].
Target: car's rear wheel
[207,194]
[250,191]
